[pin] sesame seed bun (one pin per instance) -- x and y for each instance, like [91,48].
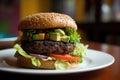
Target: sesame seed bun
[46,21]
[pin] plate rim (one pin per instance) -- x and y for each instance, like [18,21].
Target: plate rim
[55,72]
[8,39]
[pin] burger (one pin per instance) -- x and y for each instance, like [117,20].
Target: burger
[49,41]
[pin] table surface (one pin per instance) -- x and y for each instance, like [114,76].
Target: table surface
[109,73]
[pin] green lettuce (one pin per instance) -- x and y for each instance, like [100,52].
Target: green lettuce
[79,50]
[34,60]
[28,34]
[74,36]
[61,65]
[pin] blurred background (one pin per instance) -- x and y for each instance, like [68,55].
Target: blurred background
[97,20]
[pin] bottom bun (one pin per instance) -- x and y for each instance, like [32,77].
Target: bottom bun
[26,62]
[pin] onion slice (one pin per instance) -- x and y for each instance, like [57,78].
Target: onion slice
[39,56]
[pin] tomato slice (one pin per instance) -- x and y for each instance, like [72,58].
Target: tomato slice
[66,57]
[46,36]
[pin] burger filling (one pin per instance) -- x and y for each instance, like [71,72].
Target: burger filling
[43,47]
[62,45]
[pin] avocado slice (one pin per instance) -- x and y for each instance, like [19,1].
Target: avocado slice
[40,36]
[55,36]
[62,33]
[65,38]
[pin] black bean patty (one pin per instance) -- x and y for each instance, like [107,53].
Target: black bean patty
[40,47]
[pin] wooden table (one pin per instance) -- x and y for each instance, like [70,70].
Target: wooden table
[109,73]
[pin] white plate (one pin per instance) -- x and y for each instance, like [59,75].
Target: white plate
[7,42]
[94,60]
[8,39]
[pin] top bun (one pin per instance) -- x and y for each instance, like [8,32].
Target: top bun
[46,21]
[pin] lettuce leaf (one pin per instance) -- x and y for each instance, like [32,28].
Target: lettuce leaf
[61,65]
[35,61]
[79,50]
[28,34]
[74,36]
